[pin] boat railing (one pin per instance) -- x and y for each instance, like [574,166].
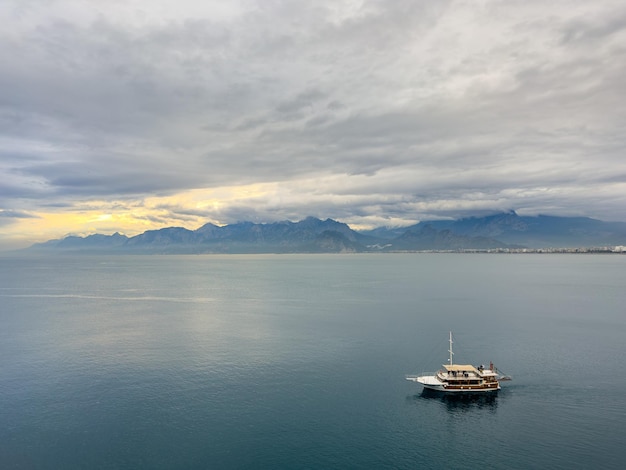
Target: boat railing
[459,375]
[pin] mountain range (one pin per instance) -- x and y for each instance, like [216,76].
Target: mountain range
[311,235]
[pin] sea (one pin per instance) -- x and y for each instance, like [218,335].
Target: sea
[299,361]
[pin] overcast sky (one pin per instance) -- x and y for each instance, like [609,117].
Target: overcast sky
[128,115]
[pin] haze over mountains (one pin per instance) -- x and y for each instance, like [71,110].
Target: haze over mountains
[312,235]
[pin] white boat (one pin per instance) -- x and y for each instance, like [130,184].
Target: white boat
[460,378]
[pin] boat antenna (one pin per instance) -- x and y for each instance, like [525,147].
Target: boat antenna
[450,350]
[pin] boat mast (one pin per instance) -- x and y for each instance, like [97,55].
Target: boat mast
[450,350]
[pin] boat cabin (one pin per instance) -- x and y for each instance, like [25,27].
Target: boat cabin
[464,376]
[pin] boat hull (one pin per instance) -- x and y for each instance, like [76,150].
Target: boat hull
[431,382]
[442,389]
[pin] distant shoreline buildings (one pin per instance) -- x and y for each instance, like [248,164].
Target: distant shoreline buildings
[581,250]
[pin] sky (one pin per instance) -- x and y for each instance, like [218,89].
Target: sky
[130,115]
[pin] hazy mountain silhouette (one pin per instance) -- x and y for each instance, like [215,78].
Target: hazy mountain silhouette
[542,231]
[312,235]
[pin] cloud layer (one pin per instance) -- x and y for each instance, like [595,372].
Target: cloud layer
[148,113]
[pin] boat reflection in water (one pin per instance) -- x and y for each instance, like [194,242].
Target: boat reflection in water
[462,401]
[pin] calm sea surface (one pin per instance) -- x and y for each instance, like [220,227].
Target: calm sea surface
[289,362]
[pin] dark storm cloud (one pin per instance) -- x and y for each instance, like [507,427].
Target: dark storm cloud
[16,215]
[8,217]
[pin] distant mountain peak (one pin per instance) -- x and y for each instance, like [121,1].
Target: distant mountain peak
[505,229]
